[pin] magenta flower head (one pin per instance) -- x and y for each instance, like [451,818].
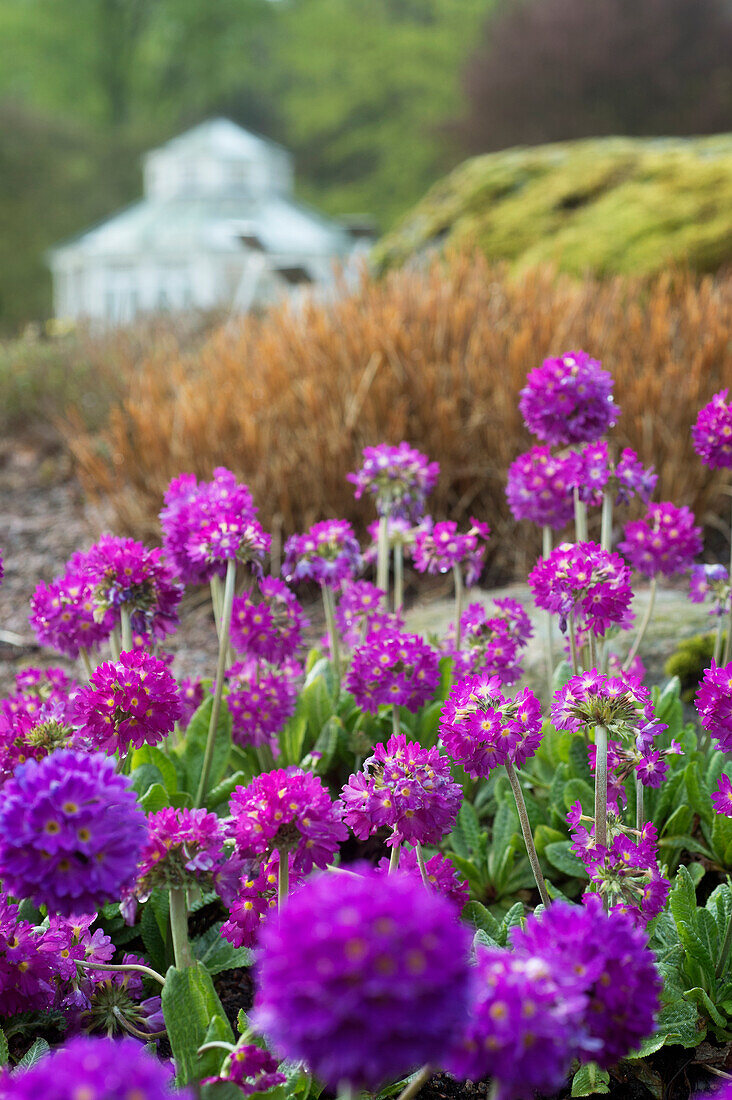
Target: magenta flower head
[32,963]
[523,1028]
[261,698]
[626,873]
[328,554]
[70,832]
[401,479]
[620,704]
[622,480]
[94,1069]
[64,614]
[184,848]
[609,960]
[665,542]
[190,517]
[364,977]
[271,626]
[712,433]
[481,729]
[251,1069]
[390,667]
[714,704]
[491,641]
[125,574]
[569,400]
[441,875]
[230,536]
[438,547]
[710,582]
[722,797]
[360,612]
[540,487]
[287,810]
[191,694]
[406,788]
[128,703]
[584,580]
[253,897]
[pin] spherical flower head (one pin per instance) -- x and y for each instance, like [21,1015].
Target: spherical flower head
[712,433]
[183,849]
[620,704]
[491,641]
[328,554]
[393,668]
[665,542]
[598,474]
[364,977]
[71,832]
[714,704]
[609,960]
[401,478]
[481,729]
[125,574]
[360,612]
[523,1025]
[626,873]
[569,400]
[32,963]
[261,698]
[288,810]
[230,536]
[540,485]
[406,788]
[255,895]
[191,693]
[89,1068]
[64,615]
[128,703]
[632,479]
[438,548]
[441,875]
[269,626]
[583,580]
[189,507]
[251,1069]
[710,582]
[722,797]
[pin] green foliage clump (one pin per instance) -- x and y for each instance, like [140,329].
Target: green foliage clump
[688,662]
[609,206]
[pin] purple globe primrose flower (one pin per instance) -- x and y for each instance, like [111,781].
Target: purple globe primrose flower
[364,977]
[540,485]
[405,788]
[80,943]
[360,612]
[255,895]
[491,641]
[270,627]
[128,703]
[70,832]
[125,574]
[481,729]
[64,614]
[230,536]
[400,477]
[32,961]
[189,508]
[191,693]
[399,531]
[711,582]
[615,666]
[89,1068]
[525,1025]
[288,810]
[623,480]
[569,400]
[261,699]
[722,797]
[620,704]
[441,875]
[637,758]
[184,848]
[328,554]
[251,1069]
[438,548]
[117,999]
[724,1092]
[712,433]
[583,580]
[609,958]
[714,704]
[35,720]
[393,668]
[665,542]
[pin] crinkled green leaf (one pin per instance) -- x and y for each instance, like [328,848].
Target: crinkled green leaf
[217,954]
[561,856]
[34,1054]
[194,746]
[589,1080]
[190,1005]
[149,754]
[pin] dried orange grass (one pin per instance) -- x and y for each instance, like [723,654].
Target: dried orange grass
[436,357]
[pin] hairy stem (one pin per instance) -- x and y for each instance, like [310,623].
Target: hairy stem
[573,644]
[398,577]
[382,560]
[420,1078]
[126,627]
[219,688]
[283,878]
[114,645]
[179,929]
[639,808]
[329,608]
[122,966]
[600,785]
[606,531]
[580,518]
[518,794]
[394,857]
[546,549]
[395,725]
[458,604]
[421,864]
[643,626]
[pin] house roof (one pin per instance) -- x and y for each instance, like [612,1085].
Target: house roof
[220,138]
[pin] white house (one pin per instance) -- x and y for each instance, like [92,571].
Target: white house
[217,227]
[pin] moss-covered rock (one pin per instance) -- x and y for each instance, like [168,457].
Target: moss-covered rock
[604,205]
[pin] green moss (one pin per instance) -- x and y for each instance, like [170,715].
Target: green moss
[689,661]
[606,205]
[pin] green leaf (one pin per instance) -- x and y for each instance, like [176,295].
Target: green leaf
[721,839]
[292,737]
[481,917]
[142,778]
[194,746]
[578,760]
[217,954]
[331,739]
[148,754]
[34,1054]
[4,1052]
[544,835]
[701,997]
[218,1031]
[577,790]
[190,1004]
[155,798]
[446,679]
[512,919]
[223,791]
[561,856]
[679,822]
[470,826]
[317,705]
[679,1024]
[682,898]
[590,1080]
[697,793]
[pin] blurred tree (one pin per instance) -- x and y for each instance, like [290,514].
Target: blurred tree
[549,70]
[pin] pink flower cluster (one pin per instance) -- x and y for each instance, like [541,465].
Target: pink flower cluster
[712,433]
[270,627]
[393,668]
[540,487]
[569,400]
[482,729]
[360,613]
[583,580]
[438,547]
[261,698]
[125,574]
[327,554]
[492,640]
[665,542]
[400,477]
[714,704]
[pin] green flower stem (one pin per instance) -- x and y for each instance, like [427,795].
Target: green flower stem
[573,644]
[718,640]
[396,727]
[728,643]
[329,608]
[600,786]
[580,518]
[639,809]
[546,549]
[398,576]
[283,878]
[179,929]
[421,864]
[126,627]
[606,530]
[114,646]
[147,970]
[420,1078]
[219,689]
[86,661]
[394,858]
[724,953]
[643,626]
[132,1030]
[518,794]
[216,601]
[592,645]
[458,604]
[382,560]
